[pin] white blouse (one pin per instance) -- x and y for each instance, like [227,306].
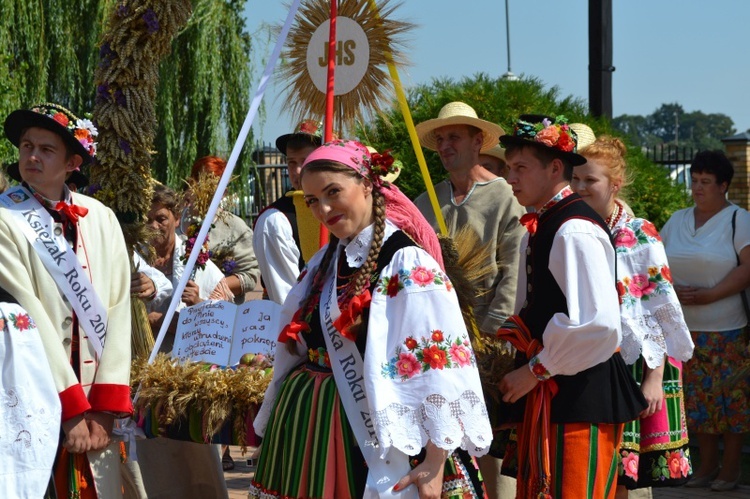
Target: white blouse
[652,320]
[582,263]
[703,257]
[421,378]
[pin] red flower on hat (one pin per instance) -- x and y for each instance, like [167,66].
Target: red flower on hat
[565,142]
[61,118]
[310,127]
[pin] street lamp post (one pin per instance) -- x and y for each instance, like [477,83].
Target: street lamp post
[509,74]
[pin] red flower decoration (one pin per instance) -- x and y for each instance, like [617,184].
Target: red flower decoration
[61,118]
[22,322]
[650,230]
[666,273]
[620,291]
[411,343]
[437,336]
[565,142]
[538,369]
[394,286]
[435,356]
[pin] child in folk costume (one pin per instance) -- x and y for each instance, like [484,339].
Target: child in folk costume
[655,338]
[571,393]
[377,364]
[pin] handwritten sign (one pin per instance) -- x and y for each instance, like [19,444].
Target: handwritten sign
[220,332]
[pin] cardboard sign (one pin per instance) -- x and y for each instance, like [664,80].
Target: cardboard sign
[220,332]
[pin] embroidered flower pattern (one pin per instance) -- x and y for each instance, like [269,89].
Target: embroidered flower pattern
[22,322]
[670,465]
[629,464]
[418,276]
[656,280]
[319,356]
[541,372]
[435,351]
[644,286]
[634,233]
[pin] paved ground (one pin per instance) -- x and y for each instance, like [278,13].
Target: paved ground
[238,481]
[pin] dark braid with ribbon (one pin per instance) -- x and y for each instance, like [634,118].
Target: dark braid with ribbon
[357,294]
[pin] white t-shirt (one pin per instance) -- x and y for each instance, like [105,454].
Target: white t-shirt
[704,257]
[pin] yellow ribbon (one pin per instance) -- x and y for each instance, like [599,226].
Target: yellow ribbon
[413,134]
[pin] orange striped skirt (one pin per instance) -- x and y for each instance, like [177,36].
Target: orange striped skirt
[583,460]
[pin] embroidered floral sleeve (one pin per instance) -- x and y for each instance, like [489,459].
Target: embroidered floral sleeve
[420,370]
[652,320]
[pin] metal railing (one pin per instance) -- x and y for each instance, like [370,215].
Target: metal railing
[675,159]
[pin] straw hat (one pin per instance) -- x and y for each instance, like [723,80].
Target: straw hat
[496,152]
[395,168]
[585,134]
[458,113]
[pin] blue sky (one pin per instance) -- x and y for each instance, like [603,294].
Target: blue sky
[687,51]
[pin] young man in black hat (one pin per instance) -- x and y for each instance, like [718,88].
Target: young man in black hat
[65,261]
[276,237]
[571,392]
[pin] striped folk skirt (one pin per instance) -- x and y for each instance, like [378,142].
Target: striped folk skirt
[654,450]
[583,460]
[309,449]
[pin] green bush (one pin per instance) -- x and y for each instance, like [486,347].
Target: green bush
[652,195]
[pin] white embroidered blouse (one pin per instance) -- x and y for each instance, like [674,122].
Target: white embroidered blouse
[421,378]
[652,319]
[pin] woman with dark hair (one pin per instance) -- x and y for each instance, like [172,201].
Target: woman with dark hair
[655,340]
[376,364]
[708,247]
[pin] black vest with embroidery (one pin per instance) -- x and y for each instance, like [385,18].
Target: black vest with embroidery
[604,393]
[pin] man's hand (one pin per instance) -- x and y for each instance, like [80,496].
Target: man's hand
[518,383]
[100,428]
[191,295]
[77,439]
[141,285]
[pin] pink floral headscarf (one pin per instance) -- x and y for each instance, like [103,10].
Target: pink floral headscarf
[398,208]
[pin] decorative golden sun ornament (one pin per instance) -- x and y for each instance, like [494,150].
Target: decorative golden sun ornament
[365,38]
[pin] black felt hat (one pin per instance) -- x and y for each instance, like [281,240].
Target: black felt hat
[307,130]
[553,134]
[78,134]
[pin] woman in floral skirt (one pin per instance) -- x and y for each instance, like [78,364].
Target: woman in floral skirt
[375,385]
[655,339]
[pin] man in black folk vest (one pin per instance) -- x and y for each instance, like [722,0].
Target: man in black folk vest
[276,235]
[571,392]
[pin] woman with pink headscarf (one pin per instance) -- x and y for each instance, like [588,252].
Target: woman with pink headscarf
[376,389]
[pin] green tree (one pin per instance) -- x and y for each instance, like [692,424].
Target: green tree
[50,48]
[670,124]
[652,194]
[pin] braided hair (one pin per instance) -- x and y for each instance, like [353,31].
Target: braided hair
[360,280]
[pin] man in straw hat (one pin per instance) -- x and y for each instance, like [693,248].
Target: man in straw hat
[276,237]
[493,160]
[65,261]
[476,198]
[571,392]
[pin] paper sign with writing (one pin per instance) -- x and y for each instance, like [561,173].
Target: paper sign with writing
[220,332]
